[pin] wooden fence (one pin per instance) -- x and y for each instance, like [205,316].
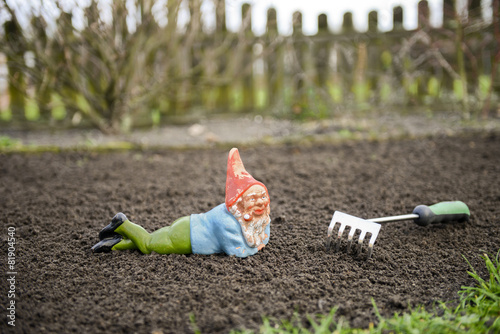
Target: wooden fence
[192,72]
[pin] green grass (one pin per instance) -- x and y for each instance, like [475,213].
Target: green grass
[478,312]
[7,143]
[483,300]
[11,145]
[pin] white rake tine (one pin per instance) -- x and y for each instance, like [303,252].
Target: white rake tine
[375,230]
[331,226]
[328,241]
[349,239]
[360,241]
[339,235]
[329,236]
[370,251]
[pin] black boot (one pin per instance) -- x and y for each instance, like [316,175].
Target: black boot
[105,245]
[109,231]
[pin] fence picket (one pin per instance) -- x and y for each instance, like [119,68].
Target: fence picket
[224,71]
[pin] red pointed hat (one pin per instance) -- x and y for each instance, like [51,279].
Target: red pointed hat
[238,180]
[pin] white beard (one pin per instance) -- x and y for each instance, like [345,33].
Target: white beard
[254,231]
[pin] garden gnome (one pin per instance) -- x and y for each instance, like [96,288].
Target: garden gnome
[240,226]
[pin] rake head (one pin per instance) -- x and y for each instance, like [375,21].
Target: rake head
[354,224]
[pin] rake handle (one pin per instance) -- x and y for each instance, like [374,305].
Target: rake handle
[424,215]
[441,212]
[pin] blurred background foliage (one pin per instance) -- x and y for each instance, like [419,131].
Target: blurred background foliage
[141,68]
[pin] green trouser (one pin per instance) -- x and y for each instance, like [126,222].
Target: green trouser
[173,239]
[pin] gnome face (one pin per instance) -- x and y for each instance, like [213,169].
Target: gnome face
[255,203]
[252,212]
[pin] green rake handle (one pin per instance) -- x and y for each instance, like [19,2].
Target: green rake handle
[424,215]
[441,212]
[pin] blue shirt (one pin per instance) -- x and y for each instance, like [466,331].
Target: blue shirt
[217,231]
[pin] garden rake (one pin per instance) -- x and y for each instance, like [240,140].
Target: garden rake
[422,215]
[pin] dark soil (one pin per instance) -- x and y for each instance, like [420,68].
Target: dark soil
[59,202]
